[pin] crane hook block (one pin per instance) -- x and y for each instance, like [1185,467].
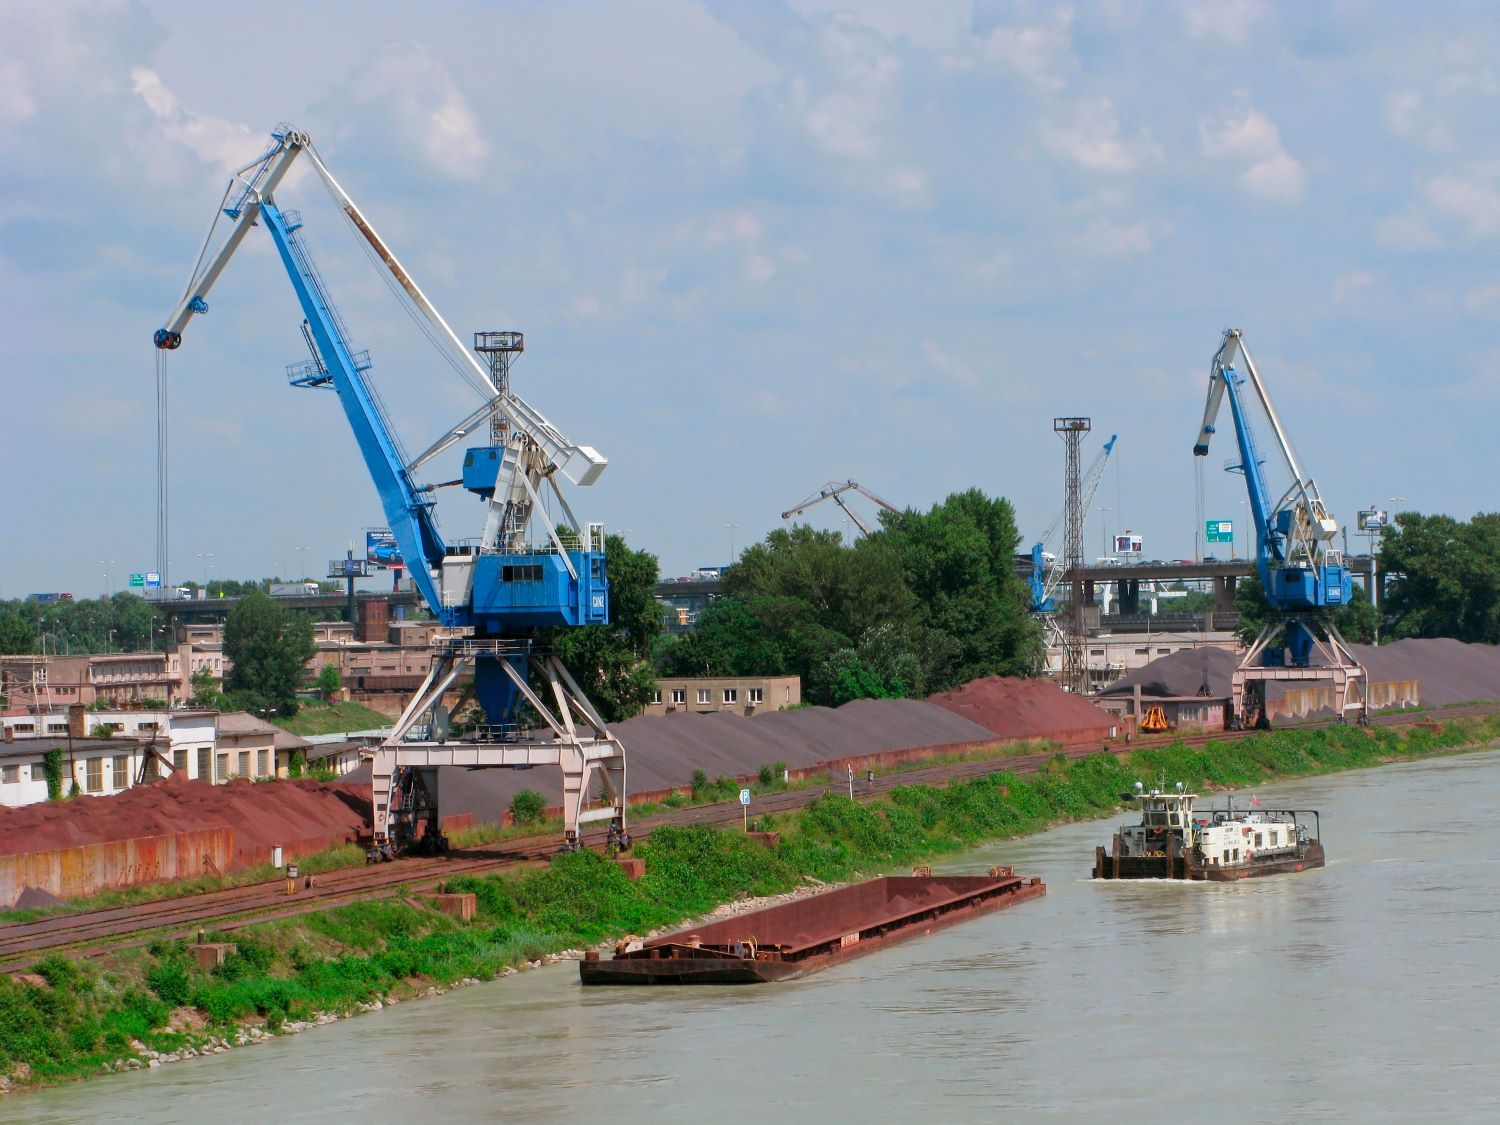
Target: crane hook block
[167,340]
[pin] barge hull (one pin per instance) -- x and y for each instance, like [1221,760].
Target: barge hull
[797,938]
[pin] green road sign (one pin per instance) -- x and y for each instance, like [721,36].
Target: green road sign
[1219,531]
[137,579]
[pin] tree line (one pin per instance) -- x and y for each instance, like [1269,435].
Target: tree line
[929,601]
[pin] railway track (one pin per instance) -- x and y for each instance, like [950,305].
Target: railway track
[93,933]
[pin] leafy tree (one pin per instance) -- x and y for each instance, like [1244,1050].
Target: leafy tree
[1355,621]
[270,648]
[1445,577]
[527,806]
[958,563]
[16,635]
[329,680]
[206,694]
[610,662]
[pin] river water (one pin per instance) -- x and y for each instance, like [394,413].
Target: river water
[1367,990]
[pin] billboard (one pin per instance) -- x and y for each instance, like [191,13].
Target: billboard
[1372,519]
[381,549]
[1127,543]
[1218,531]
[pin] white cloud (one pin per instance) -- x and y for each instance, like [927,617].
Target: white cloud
[853,111]
[1092,140]
[1407,230]
[1483,301]
[227,144]
[949,366]
[1105,238]
[1249,138]
[1038,54]
[1409,117]
[1346,285]
[1224,20]
[16,102]
[1472,202]
[428,108]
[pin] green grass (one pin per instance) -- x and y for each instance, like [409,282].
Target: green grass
[337,959]
[333,718]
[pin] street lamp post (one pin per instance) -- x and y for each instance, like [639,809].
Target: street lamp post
[1103,529]
[207,557]
[301,565]
[731,527]
[106,564]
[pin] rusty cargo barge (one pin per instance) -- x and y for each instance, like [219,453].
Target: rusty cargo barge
[1172,841]
[801,937]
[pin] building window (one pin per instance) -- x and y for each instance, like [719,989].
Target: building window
[731,695]
[656,696]
[205,763]
[1163,651]
[1096,652]
[145,727]
[261,757]
[703,696]
[755,695]
[94,775]
[120,771]
[244,763]
[10,775]
[679,696]
[179,760]
[24,728]
[221,767]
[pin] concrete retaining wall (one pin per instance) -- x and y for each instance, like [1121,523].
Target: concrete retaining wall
[1298,703]
[90,868]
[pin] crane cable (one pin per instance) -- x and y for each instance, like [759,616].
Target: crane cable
[402,297]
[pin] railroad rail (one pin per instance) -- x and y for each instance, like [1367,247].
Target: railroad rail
[96,932]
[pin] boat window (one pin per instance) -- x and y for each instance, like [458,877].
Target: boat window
[1257,839]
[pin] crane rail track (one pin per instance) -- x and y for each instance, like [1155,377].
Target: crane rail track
[96,932]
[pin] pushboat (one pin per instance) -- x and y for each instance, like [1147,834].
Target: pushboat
[1175,840]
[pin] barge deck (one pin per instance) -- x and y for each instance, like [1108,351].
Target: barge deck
[801,937]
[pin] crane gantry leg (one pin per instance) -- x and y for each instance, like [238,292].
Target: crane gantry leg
[574,738]
[1322,658]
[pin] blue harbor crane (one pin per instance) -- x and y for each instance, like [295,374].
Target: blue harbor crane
[523,574]
[1300,569]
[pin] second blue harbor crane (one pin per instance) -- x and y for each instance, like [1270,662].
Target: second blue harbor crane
[495,593]
[1300,569]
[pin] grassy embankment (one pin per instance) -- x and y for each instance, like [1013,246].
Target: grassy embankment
[89,1015]
[313,717]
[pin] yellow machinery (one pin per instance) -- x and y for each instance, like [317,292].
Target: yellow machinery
[1155,721]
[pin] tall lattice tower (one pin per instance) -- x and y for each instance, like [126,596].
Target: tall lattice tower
[1071,430]
[500,350]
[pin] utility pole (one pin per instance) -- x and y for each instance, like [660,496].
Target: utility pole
[1071,430]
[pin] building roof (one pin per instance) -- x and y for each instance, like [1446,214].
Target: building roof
[332,749]
[242,723]
[29,746]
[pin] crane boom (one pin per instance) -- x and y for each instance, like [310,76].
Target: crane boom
[834,490]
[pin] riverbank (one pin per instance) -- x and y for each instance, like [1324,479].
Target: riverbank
[77,1020]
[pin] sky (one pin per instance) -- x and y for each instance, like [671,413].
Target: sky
[753,247]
